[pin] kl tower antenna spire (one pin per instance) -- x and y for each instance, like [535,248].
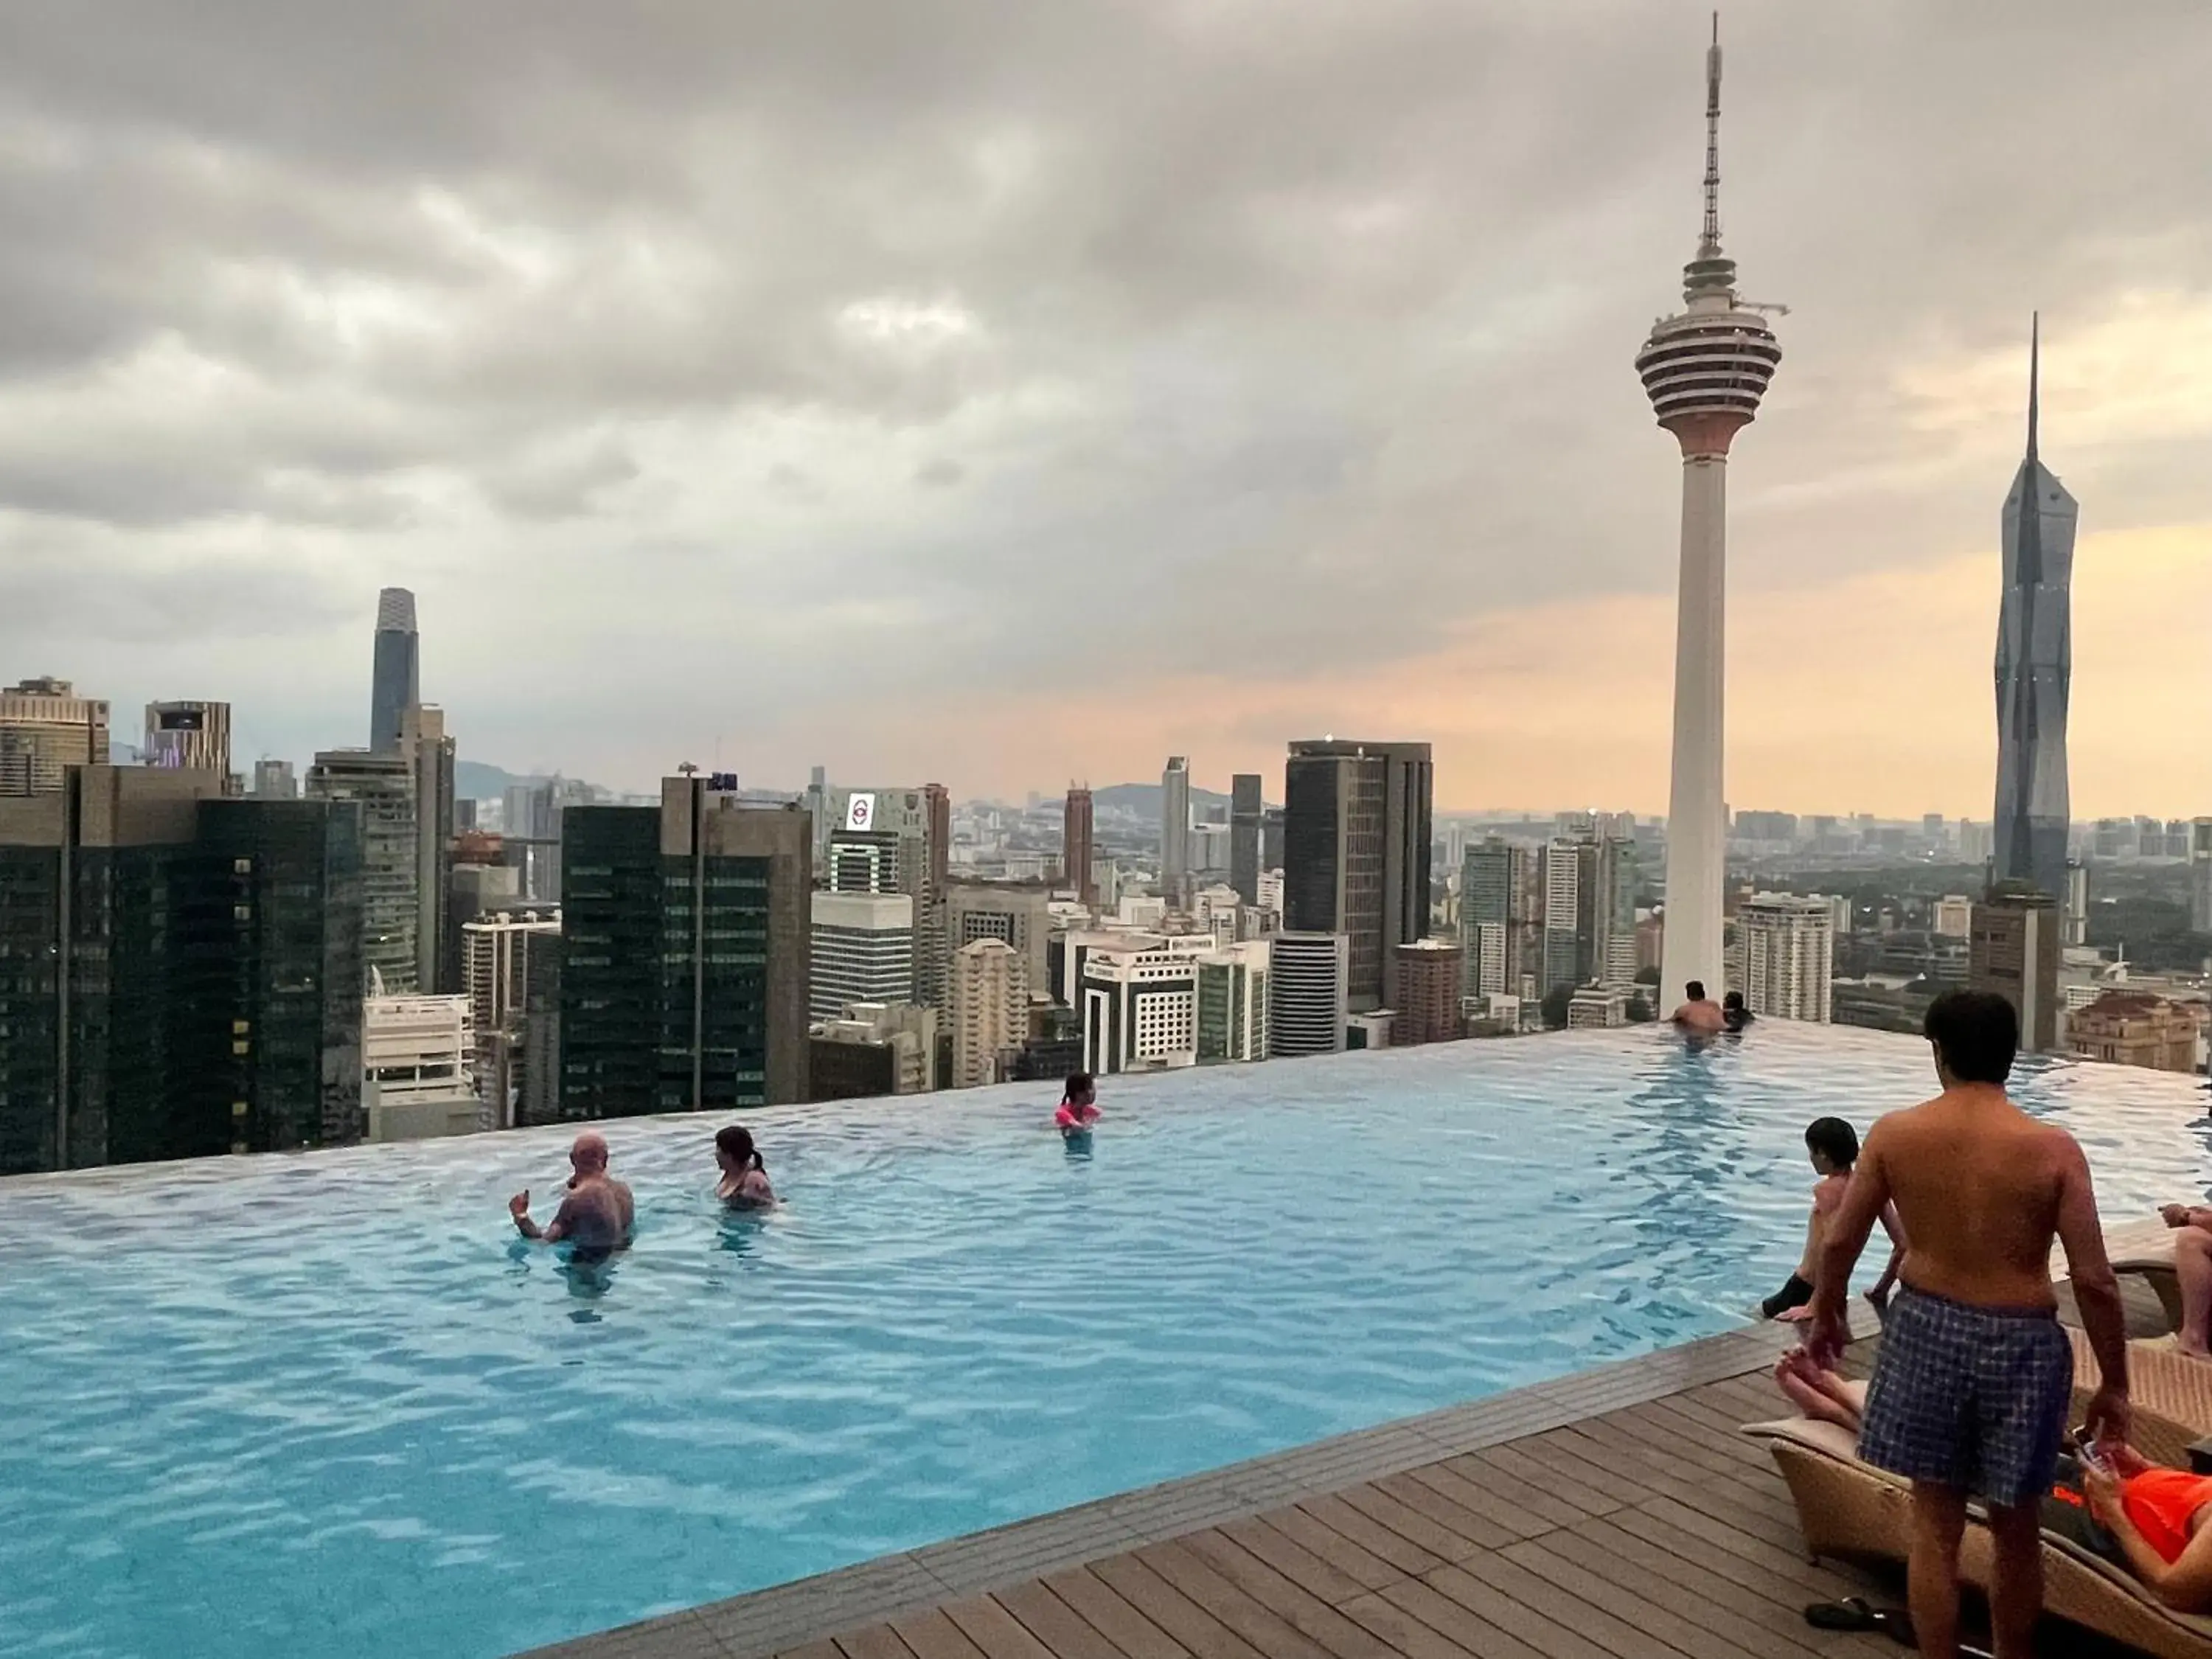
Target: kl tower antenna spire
[1704,369]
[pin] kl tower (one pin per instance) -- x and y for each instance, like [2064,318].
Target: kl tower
[1704,369]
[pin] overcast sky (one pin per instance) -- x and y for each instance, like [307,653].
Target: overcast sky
[1011,393]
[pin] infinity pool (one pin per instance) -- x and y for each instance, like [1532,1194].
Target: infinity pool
[328,1405]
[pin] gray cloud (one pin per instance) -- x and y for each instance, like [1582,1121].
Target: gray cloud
[635,332]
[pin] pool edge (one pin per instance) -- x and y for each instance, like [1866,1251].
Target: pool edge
[784,1616]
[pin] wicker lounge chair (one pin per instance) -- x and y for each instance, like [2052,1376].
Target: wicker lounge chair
[1850,1510]
[2171,1392]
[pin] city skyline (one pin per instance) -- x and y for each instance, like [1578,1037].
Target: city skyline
[1239,380]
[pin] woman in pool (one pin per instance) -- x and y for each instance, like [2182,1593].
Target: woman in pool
[743,1185]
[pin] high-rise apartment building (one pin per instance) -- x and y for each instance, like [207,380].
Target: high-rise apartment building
[1565,956]
[1604,912]
[684,954]
[384,785]
[2013,951]
[989,997]
[1788,957]
[1431,974]
[505,954]
[192,735]
[1308,979]
[1174,832]
[430,753]
[1077,847]
[1705,369]
[1247,806]
[1271,838]
[1358,836]
[1501,902]
[186,971]
[45,728]
[863,951]
[396,673]
[2034,669]
[273,780]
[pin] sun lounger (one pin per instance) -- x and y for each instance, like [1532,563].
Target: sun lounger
[1850,1510]
[2171,1392]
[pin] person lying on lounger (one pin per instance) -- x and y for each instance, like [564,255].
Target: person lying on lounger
[2155,1521]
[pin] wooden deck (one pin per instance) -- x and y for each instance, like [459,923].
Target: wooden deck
[1612,1515]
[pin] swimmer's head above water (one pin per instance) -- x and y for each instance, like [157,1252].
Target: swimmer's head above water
[588,1157]
[735,1151]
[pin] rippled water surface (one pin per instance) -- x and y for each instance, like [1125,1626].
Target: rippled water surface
[329,1405]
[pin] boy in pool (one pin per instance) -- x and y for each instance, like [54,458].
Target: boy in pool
[1834,1146]
[1077,1113]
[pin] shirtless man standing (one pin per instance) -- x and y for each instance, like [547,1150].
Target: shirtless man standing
[1970,1394]
[597,1210]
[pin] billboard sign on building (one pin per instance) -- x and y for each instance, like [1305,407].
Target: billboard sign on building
[860,811]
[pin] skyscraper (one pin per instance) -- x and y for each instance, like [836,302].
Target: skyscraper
[396,677]
[1565,960]
[384,784]
[1246,805]
[273,780]
[45,728]
[1704,369]
[1356,843]
[2034,667]
[684,954]
[195,735]
[1174,832]
[190,977]
[1789,956]
[893,841]
[1077,846]
[422,739]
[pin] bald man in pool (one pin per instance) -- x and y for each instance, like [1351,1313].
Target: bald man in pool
[596,1213]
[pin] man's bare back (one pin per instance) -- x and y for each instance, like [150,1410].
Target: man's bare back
[1982,1189]
[596,1212]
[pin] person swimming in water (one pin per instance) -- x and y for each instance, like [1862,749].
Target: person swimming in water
[1736,1014]
[597,1212]
[743,1185]
[1078,1111]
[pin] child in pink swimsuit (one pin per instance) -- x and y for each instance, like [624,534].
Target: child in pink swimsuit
[1077,1114]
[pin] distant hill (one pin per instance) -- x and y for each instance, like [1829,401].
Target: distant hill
[480,781]
[1144,800]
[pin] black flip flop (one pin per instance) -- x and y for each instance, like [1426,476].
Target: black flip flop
[1852,1613]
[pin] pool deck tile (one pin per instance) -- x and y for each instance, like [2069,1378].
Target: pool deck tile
[1615,1514]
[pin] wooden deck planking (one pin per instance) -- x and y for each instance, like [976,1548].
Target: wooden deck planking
[1645,1528]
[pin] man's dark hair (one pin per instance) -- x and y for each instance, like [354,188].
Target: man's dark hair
[1976,1034]
[1834,1139]
[1696,988]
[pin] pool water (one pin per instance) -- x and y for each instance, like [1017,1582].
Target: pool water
[330,1404]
